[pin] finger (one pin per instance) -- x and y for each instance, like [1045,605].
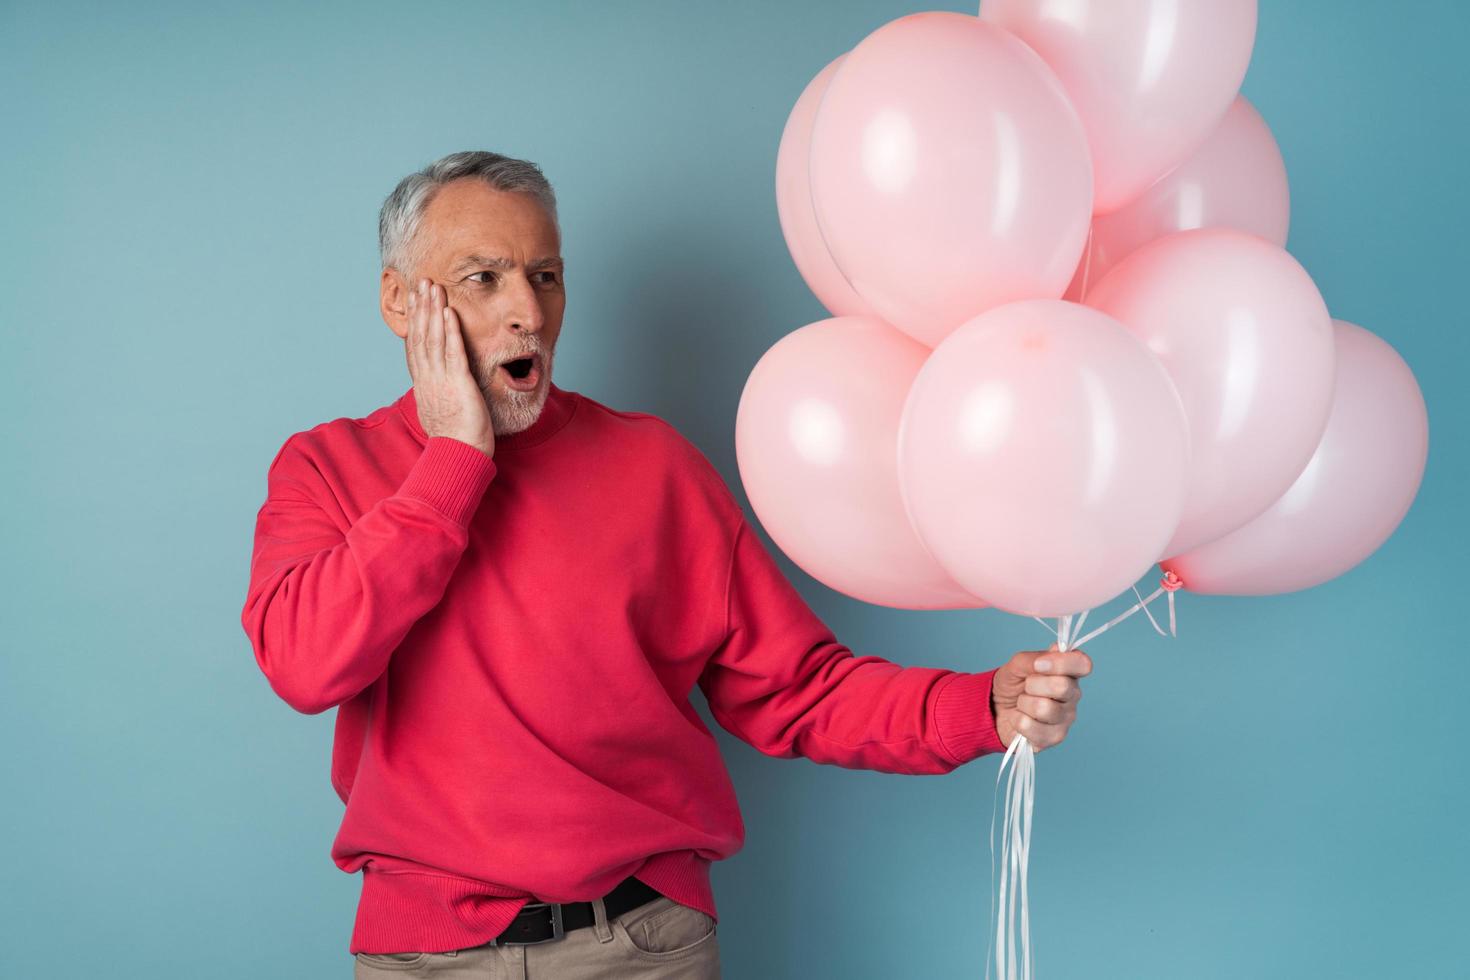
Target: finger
[408,333]
[413,343]
[1073,663]
[455,357]
[434,332]
[1057,687]
[1039,734]
[417,321]
[1044,710]
[1048,685]
[1023,663]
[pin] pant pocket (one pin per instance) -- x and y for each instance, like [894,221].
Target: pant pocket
[672,931]
[395,962]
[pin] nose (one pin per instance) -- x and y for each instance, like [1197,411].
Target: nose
[523,313]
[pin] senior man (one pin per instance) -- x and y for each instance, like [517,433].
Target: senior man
[508,591]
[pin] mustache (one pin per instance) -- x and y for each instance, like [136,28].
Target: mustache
[488,366]
[533,351]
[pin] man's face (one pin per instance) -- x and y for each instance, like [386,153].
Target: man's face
[498,256]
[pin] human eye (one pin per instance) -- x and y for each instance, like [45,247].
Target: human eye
[483,272]
[552,276]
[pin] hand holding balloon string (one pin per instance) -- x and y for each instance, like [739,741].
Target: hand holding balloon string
[1035,694]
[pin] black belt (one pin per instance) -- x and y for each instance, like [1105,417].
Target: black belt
[539,922]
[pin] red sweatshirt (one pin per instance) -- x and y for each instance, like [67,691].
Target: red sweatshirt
[511,643]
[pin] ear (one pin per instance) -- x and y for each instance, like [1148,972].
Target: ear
[393,301]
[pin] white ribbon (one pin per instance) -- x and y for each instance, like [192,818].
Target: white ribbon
[1014,858]
[1015,849]
[1020,794]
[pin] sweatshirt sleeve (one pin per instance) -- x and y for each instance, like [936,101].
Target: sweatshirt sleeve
[780,681]
[326,609]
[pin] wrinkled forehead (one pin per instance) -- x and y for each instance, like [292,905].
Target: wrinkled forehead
[469,218]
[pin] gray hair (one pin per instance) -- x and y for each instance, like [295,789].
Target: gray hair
[398,222]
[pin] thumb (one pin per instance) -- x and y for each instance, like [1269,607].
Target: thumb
[1019,667]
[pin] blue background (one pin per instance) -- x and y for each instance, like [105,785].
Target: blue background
[190,274]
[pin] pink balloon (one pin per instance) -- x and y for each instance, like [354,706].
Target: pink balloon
[1150,78]
[949,173]
[1247,339]
[794,205]
[816,438]
[1042,457]
[1237,179]
[1350,498]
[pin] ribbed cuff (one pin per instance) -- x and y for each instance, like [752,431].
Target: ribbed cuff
[450,476]
[683,876]
[963,717]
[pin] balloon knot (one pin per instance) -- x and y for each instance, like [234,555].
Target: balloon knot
[1171,582]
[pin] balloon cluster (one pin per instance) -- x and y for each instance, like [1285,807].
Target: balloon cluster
[1067,340]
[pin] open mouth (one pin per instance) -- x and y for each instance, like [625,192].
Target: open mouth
[522,373]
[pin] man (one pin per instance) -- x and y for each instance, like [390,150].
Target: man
[508,591]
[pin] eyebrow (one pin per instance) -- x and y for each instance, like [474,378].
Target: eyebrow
[500,262]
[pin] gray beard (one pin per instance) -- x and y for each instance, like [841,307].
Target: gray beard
[515,411]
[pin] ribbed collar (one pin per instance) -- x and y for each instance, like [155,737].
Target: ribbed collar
[557,411]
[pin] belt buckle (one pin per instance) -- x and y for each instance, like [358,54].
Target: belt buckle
[557,930]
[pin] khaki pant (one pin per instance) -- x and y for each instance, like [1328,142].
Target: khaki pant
[659,940]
